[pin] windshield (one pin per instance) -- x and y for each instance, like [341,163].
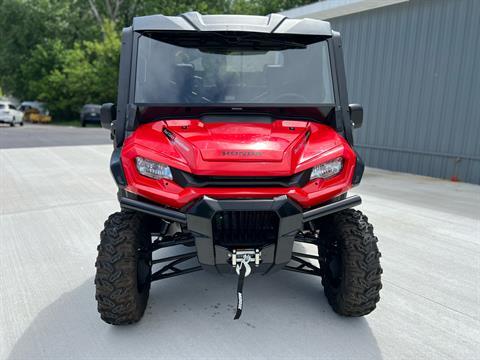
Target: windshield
[282,74]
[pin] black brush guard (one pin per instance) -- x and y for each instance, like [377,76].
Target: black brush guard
[220,226]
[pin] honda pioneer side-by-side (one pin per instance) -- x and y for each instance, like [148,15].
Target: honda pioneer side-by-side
[232,141]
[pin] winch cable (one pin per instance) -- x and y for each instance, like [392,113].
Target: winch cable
[241,278]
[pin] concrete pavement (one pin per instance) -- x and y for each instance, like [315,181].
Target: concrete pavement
[54,201]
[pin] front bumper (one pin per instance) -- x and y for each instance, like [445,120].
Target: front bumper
[214,254]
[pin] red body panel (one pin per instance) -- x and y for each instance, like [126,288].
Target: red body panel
[280,148]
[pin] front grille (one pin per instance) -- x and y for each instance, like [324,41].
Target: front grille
[185,179]
[245,229]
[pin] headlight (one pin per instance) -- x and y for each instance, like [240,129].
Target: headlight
[327,170]
[153,169]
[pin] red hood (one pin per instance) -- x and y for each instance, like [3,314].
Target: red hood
[251,142]
[278,148]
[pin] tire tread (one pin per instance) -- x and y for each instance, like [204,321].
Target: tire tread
[119,301]
[359,289]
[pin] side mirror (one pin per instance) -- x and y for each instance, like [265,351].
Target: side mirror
[107,115]
[356,115]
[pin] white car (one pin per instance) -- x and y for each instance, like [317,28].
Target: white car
[9,114]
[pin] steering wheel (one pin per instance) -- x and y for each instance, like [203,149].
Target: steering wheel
[292,97]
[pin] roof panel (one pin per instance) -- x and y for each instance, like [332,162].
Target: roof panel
[194,21]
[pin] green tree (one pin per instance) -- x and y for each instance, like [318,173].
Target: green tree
[65,52]
[25,24]
[68,78]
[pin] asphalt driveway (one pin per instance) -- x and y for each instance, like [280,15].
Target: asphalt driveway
[35,135]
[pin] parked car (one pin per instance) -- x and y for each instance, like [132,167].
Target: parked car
[9,114]
[35,112]
[90,113]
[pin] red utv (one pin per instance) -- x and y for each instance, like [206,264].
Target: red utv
[233,137]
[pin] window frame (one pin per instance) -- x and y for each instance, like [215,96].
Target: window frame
[239,105]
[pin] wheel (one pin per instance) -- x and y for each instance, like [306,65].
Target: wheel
[83,124]
[12,124]
[124,267]
[349,263]
[21,124]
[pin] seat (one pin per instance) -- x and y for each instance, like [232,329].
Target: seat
[183,77]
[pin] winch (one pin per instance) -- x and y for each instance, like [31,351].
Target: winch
[241,260]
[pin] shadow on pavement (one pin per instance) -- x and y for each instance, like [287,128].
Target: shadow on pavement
[285,316]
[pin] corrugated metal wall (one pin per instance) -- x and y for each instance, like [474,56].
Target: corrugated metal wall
[415,68]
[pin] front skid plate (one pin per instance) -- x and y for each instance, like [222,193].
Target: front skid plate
[199,222]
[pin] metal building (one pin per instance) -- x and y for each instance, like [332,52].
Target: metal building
[414,65]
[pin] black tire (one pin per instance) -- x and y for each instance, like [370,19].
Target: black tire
[83,124]
[123,268]
[12,124]
[21,124]
[350,263]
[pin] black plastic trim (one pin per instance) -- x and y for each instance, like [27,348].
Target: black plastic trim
[123,86]
[236,106]
[117,169]
[199,222]
[323,114]
[342,114]
[359,169]
[185,179]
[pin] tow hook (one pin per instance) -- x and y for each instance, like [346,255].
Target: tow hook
[241,260]
[244,258]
